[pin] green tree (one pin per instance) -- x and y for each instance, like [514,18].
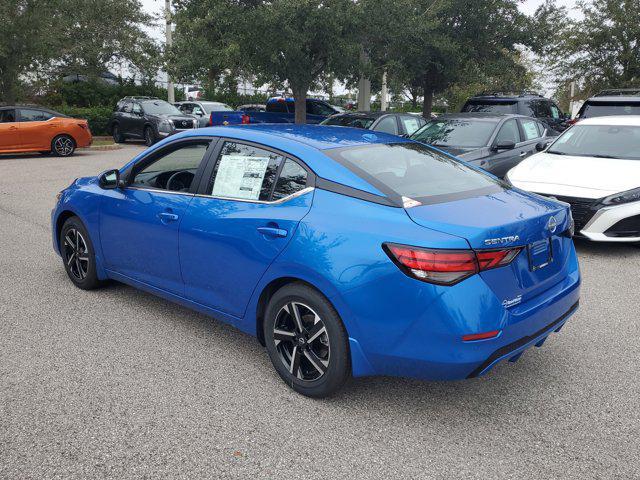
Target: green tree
[600,50]
[44,39]
[435,43]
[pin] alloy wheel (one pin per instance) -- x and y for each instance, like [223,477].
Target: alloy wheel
[76,254]
[63,146]
[302,342]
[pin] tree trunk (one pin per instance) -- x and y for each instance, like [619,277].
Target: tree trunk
[300,98]
[427,102]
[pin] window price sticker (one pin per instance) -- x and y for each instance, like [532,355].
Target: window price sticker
[240,176]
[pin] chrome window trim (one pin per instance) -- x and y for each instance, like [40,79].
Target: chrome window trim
[244,200]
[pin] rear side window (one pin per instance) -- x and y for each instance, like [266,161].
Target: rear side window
[415,171]
[539,109]
[292,179]
[490,107]
[27,115]
[349,121]
[530,129]
[244,172]
[411,123]
[7,116]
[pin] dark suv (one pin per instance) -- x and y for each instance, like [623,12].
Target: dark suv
[625,101]
[147,118]
[528,103]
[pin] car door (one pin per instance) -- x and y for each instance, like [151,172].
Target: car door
[387,124]
[37,128]
[246,212]
[502,160]
[9,127]
[139,222]
[531,136]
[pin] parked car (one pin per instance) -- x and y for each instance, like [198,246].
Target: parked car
[202,110]
[147,118]
[26,128]
[494,142]
[277,110]
[253,107]
[528,104]
[611,102]
[345,253]
[388,122]
[594,167]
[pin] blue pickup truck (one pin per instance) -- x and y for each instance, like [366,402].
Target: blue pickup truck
[278,110]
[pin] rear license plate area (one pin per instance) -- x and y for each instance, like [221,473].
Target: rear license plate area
[540,254]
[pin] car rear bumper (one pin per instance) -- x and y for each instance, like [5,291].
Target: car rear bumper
[426,341]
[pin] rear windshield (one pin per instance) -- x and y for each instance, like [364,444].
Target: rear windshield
[490,107]
[601,141]
[456,133]
[608,109]
[347,121]
[415,171]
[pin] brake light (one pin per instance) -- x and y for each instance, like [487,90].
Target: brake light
[245,119]
[211,120]
[446,267]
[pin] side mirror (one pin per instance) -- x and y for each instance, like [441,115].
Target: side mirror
[109,180]
[504,145]
[540,146]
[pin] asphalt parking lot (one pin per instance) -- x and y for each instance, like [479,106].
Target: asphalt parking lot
[118,383]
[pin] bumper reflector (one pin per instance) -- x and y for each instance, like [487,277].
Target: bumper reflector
[480,336]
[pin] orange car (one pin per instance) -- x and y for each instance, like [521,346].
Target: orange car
[34,129]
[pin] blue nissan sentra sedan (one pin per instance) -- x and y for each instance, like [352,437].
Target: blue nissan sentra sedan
[344,252]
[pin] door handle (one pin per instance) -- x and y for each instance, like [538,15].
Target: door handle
[13,128]
[273,232]
[167,217]
[523,154]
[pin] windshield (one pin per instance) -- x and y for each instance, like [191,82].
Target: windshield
[608,109]
[415,171]
[490,107]
[456,133]
[159,107]
[349,121]
[216,107]
[606,141]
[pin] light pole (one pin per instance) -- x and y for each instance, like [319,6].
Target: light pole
[167,15]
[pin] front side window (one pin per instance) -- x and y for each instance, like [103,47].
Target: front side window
[555,112]
[244,172]
[173,170]
[387,125]
[508,132]
[127,107]
[28,115]
[456,133]
[603,141]
[414,171]
[7,116]
[186,108]
[530,129]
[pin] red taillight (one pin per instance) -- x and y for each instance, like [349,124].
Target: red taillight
[573,121]
[446,267]
[211,120]
[480,336]
[245,119]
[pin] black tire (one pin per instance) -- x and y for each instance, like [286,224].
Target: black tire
[324,363]
[117,135]
[63,146]
[78,255]
[149,136]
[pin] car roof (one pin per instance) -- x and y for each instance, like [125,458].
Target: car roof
[510,98]
[489,117]
[615,99]
[361,114]
[306,142]
[613,120]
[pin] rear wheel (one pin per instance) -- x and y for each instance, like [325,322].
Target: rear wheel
[149,136]
[306,341]
[63,146]
[78,255]
[117,135]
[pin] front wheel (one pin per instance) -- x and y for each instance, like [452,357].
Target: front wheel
[149,136]
[306,341]
[63,146]
[78,255]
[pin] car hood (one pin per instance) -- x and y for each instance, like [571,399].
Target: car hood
[584,177]
[173,118]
